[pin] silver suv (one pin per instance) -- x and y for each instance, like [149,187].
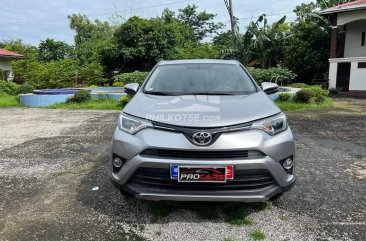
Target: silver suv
[202,130]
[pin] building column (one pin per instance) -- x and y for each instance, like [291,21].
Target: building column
[333,45]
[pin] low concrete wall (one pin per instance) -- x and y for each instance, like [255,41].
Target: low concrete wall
[102,93]
[31,100]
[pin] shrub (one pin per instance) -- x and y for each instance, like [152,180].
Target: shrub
[25,89]
[126,78]
[123,101]
[299,85]
[284,97]
[271,74]
[118,84]
[312,93]
[304,96]
[81,96]
[93,86]
[8,88]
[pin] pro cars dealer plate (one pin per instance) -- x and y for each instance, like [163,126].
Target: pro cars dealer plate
[201,173]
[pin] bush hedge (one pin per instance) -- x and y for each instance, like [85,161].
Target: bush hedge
[284,97]
[25,89]
[123,101]
[271,74]
[310,94]
[8,88]
[80,96]
[126,78]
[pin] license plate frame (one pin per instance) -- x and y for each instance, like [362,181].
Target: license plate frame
[202,174]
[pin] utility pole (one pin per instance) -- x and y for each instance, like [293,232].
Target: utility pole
[230,9]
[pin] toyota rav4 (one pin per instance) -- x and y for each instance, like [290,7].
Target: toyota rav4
[202,130]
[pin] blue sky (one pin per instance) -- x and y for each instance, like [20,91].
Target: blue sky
[36,20]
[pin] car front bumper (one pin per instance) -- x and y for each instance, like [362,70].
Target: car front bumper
[275,149]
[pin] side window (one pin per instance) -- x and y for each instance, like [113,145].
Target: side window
[363,38]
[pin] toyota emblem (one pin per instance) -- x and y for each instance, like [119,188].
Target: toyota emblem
[202,138]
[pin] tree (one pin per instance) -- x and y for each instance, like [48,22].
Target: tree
[223,39]
[50,49]
[308,49]
[269,41]
[144,42]
[94,42]
[200,22]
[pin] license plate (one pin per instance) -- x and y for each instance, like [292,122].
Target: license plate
[201,173]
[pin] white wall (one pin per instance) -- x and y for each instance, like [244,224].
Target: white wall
[5,64]
[333,67]
[353,46]
[358,77]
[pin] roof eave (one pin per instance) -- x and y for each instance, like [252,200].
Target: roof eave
[340,10]
[12,57]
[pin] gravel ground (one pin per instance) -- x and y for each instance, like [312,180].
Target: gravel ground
[50,161]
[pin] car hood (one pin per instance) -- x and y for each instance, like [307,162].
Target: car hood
[201,110]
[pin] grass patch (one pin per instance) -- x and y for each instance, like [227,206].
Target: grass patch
[89,105]
[259,206]
[291,105]
[160,210]
[237,214]
[203,210]
[9,101]
[257,235]
[77,170]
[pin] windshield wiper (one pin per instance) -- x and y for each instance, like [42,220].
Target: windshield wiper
[209,93]
[159,93]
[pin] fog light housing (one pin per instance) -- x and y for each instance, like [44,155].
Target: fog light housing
[288,164]
[117,162]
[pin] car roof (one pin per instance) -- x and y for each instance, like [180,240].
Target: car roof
[199,61]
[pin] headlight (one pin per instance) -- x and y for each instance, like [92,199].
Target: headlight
[272,125]
[132,124]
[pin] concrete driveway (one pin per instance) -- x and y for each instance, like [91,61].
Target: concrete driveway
[54,183]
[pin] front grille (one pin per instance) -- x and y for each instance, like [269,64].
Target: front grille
[166,153]
[160,178]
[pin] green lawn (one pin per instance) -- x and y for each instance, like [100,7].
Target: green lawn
[92,105]
[9,101]
[292,106]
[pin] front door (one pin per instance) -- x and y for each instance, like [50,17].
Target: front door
[343,76]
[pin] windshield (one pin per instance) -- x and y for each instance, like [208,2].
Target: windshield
[204,79]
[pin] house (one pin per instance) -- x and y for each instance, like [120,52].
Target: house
[5,62]
[347,69]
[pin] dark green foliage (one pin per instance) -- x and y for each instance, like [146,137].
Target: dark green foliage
[81,96]
[257,235]
[123,101]
[25,89]
[144,42]
[126,78]
[238,214]
[272,74]
[284,97]
[308,50]
[51,49]
[58,74]
[313,94]
[8,88]
[201,23]
[304,96]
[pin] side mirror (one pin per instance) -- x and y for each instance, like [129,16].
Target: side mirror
[269,88]
[131,89]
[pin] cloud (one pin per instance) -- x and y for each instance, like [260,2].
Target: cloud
[33,21]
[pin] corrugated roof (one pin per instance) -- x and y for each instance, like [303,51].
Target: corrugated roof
[345,7]
[7,53]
